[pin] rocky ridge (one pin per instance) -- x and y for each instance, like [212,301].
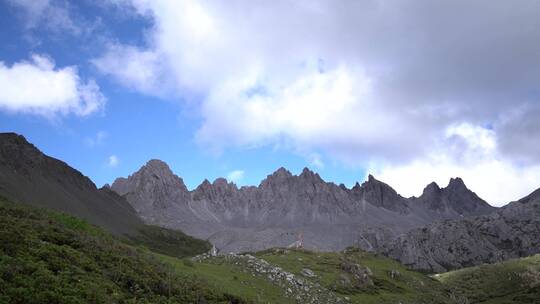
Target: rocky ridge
[285,206]
[512,231]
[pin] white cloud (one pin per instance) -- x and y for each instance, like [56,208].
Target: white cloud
[470,152]
[497,181]
[113,161]
[365,82]
[37,87]
[235,176]
[134,68]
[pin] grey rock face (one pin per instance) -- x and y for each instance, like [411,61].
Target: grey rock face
[453,201]
[282,207]
[381,195]
[153,187]
[511,232]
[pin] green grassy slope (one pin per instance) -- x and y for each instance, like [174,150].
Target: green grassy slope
[49,257]
[510,282]
[389,281]
[166,241]
[231,279]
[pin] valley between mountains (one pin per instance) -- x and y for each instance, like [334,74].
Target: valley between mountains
[146,238]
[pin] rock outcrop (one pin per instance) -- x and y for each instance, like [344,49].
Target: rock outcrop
[381,195]
[295,287]
[511,232]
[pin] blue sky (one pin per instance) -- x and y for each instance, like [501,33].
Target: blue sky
[411,92]
[132,126]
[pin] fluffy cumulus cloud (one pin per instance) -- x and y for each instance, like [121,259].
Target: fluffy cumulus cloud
[38,87]
[397,87]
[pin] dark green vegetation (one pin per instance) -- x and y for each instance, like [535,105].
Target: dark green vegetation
[48,257]
[51,257]
[510,282]
[169,242]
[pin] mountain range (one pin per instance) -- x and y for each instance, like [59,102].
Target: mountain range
[30,177]
[287,208]
[444,228]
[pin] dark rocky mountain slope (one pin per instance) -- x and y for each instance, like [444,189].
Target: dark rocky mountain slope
[510,232]
[286,206]
[29,176]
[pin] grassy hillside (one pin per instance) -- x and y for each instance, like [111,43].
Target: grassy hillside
[510,282]
[48,257]
[361,277]
[228,278]
[169,242]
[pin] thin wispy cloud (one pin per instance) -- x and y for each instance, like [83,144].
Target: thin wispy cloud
[51,14]
[96,140]
[113,161]
[235,176]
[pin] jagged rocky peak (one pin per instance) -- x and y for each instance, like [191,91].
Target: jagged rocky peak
[380,194]
[432,191]
[222,185]
[456,183]
[280,176]
[153,185]
[455,198]
[509,232]
[221,182]
[311,176]
[157,172]
[157,164]
[219,190]
[206,184]
[158,169]
[281,173]
[432,188]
